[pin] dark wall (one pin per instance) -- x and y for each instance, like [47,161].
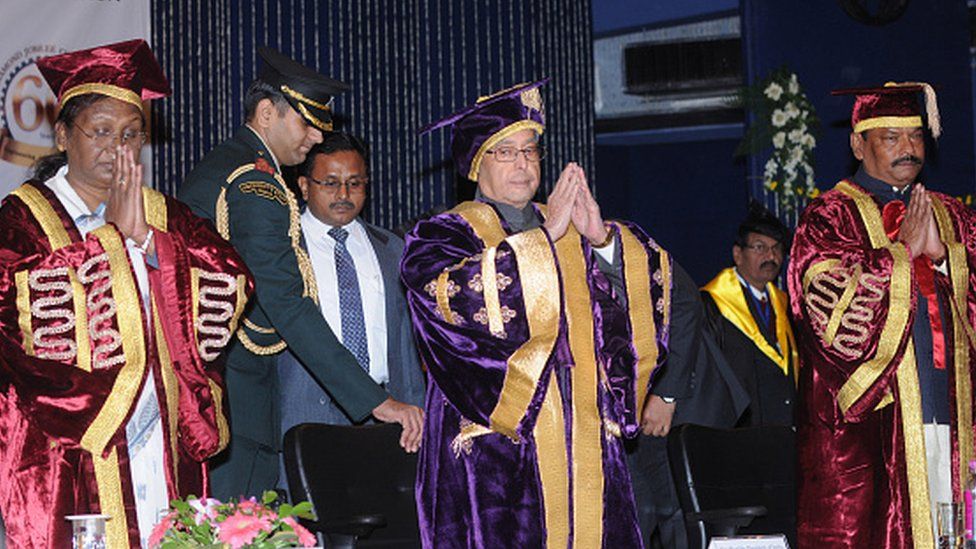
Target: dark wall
[829,50]
[683,184]
[613,15]
[690,196]
[408,63]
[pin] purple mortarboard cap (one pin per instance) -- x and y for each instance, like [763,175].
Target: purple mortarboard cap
[478,128]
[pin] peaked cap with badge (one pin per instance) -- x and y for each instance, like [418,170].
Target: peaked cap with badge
[478,128]
[307,91]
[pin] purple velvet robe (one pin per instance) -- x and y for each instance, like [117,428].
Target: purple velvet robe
[536,370]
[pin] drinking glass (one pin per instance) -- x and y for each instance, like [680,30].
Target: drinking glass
[87,531]
[950,526]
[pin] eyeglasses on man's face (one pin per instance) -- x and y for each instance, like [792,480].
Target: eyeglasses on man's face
[104,137]
[762,248]
[354,185]
[533,153]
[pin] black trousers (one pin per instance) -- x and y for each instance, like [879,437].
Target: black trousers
[658,511]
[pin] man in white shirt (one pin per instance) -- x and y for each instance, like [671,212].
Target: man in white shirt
[356,266]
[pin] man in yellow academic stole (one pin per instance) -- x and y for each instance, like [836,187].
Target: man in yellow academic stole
[749,315]
[540,327]
[880,281]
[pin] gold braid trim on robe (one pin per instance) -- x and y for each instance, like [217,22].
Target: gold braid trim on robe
[962,338]
[588,475]
[540,292]
[154,204]
[24,316]
[130,322]
[916,464]
[899,301]
[110,499]
[637,283]
[45,215]
[171,389]
[727,292]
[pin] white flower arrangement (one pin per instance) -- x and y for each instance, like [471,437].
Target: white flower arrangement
[785,119]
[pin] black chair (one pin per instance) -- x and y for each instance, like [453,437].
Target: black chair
[734,481]
[358,480]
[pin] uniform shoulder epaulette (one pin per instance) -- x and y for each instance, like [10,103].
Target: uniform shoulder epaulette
[262,165]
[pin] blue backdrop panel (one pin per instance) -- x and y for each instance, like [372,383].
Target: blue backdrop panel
[689,196]
[408,63]
[829,50]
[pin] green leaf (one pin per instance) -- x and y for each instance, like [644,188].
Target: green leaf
[303,510]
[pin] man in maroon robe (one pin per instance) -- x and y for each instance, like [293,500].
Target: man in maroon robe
[880,284]
[540,327]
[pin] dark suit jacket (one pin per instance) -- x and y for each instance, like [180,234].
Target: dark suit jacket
[771,393]
[237,187]
[303,400]
[696,374]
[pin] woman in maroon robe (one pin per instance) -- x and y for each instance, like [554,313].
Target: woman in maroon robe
[115,302]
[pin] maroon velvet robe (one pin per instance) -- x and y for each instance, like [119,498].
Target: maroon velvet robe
[76,348]
[862,466]
[536,371]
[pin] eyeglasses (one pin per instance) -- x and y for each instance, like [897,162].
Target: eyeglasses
[762,249]
[353,185]
[534,153]
[104,138]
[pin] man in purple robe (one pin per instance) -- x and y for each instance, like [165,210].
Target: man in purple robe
[540,327]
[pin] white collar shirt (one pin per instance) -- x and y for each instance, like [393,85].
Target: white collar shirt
[321,250]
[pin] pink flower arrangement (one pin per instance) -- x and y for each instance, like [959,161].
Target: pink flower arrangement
[245,524]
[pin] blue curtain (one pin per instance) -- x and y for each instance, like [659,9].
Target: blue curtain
[409,62]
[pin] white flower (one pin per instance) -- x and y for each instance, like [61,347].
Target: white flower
[787,187]
[810,183]
[778,119]
[206,509]
[794,85]
[796,154]
[809,141]
[791,110]
[779,140]
[806,168]
[773,91]
[770,170]
[796,136]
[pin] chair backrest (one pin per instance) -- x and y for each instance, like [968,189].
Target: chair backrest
[728,468]
[355,470]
